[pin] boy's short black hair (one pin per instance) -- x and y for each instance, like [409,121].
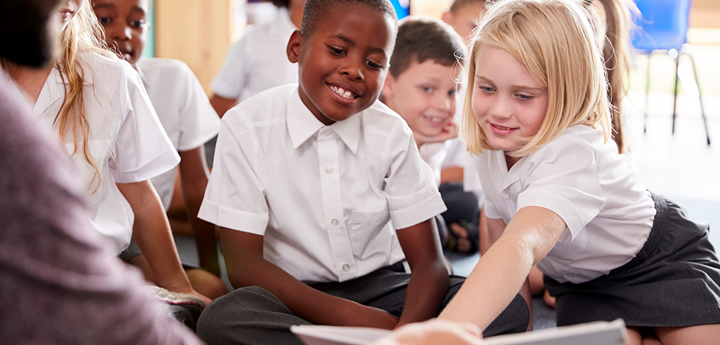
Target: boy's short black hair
[319,10]
[459,4]
[422,38]
[281,3]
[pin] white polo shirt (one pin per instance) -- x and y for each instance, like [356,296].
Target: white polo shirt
[126,139]
[183,109]
[592,188]
[322,196]
[258,61]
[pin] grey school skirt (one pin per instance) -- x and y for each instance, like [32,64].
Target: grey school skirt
[674,281]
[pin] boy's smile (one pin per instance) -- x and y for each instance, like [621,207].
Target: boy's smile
[424,95]
[343,62]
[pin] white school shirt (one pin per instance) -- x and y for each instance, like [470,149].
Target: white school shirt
[590,186]
[322,196]
[183,109]
[452,153]
[258,61]
[126,139]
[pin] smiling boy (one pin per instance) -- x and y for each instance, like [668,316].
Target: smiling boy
[318,190]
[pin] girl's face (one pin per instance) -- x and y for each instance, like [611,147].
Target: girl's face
[508,103]
[67,9]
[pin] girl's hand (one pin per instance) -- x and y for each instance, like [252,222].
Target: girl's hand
[449,131]
[433,332]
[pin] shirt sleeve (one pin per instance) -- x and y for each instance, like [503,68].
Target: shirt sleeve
[198,121]
[235,196]
[228,83]
[409,184]
[142,149]
[456,154]
[563,178]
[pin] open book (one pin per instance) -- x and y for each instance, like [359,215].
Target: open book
[595,333]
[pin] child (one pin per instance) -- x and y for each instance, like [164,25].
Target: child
[100,110]
[258,62]
[420,87]
[307,181]
[464,16]
[556,188]
[188,120]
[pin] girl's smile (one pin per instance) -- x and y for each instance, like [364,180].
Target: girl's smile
[508,103]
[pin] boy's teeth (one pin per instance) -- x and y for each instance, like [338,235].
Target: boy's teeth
[434,119]
[342,92]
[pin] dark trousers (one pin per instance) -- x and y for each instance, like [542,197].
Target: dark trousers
[253,315]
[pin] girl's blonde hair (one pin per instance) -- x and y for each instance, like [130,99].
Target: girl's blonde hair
[554,40]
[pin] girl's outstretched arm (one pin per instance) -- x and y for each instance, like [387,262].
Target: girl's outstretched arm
[500,273]
[151,231]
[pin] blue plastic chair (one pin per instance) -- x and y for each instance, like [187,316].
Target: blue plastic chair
[663,27]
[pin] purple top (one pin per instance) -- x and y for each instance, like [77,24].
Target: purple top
[59,279]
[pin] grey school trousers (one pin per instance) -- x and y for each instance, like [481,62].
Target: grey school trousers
[252,315]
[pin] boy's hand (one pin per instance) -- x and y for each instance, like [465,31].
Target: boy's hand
[449,131]
[364,316]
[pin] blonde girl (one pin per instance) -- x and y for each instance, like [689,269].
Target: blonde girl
[538,118]
[97,106]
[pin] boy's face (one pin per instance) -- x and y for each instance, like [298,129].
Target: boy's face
[125,23]
[424,95]
[342,65]
[465,19]
[508,103]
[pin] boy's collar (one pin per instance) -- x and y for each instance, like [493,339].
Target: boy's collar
[302,124]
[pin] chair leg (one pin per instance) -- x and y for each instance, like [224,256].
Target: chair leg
[647,92]
[677,77]
[702,109]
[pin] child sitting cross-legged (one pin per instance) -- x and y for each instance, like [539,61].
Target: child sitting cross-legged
[319,189]
[188,120]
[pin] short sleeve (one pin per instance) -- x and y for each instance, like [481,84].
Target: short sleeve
[235,197]
[409,184]
[198,121]
[142,149]
[456,154]
[563,178]
[228,83]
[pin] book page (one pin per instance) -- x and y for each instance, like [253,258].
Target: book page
[595,333]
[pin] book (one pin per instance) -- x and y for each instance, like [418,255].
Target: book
[594,333]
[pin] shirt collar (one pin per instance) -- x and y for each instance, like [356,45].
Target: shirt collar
[302,124]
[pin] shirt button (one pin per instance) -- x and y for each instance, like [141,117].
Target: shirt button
[334,222]
[329,170]
[346,267]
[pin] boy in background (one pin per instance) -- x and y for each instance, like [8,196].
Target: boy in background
[258,62]
[421,87]
[188,120]
[463,16]
[318,190]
